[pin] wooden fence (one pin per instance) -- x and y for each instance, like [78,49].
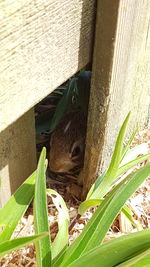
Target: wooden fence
[42,44]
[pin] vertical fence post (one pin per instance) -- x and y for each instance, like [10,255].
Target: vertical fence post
[120,79]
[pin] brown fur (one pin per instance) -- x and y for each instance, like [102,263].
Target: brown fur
[69,134]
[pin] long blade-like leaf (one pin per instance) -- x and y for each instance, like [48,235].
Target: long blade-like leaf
[11,245]
[127,212]
[87,204]
[126,147]
[43,251]
[122,194]
[42,122]
[95,231]
[95,185]
[120,171]
[61,239]
[115,251]
[14,209]
[115,161]
[133,153]
[110,175]
[131,164]
[63,104]
[138,261]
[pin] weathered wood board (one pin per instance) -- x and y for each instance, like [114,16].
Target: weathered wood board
[120,78]
[42,44]
[17,155]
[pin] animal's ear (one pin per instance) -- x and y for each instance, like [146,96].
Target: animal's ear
[77,149]
[76,152]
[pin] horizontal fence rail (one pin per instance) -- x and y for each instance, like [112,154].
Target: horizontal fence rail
[42,44]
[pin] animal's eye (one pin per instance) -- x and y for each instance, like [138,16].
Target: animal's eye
[76,151]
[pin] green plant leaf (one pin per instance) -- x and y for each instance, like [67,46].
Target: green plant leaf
[127,212]
[138,261]
[115,251]
[89,194]
[127,146]
[120,171]
[61,239]
[131,164]
[110,175]
[95,185]
[42,122]
[133,153]
[118,148]
[95,231]
[144,261]
[14,244]
[122,193]
[85,205]
[63,104]
[14,209]
[43,250]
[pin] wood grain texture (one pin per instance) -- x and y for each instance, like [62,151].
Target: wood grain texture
[42,44]
[17,154]
[120,79]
